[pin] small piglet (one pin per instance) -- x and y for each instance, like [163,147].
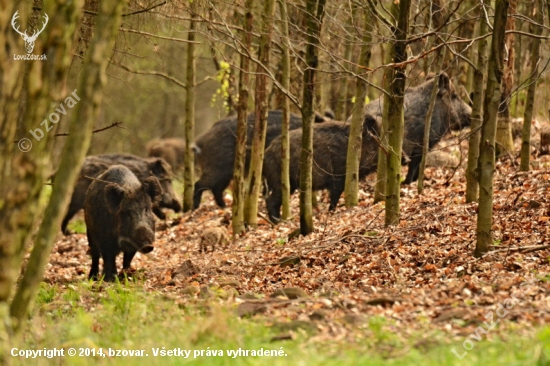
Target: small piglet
[213,237]
[119,218]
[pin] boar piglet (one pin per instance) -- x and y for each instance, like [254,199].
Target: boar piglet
[119,218]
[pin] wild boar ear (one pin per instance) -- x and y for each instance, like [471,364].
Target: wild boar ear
[114,194]
[444,82]
[319,118]
[159,167]
[152,187]
[370,124]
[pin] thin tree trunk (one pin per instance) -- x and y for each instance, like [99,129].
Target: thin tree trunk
[11,88]
[436,20]
[480,74]
[239,188]
[24,171]
[532,82]
[395,100]
[428,121]
[189,158]
[341,113]
[90,91]
[519,45]
[488,131]
[356,129]
[335,84]
[426,140]
[11,85]
[285,141]
[381,170]
[438,60]
[466,31]
[504,139]
[323,76]
[352,90]
[260,117]
[315,10]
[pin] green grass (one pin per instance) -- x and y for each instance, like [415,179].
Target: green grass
[77,226]
[98,316]
[177,183]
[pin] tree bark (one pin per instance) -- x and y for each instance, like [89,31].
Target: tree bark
[285,105]
[436,20]
[341,112]
[395,100]
[334,84]
[10,88]
[532,82]
[323,79]
[428,122]
[480,74]
[260,117]
[239,188]
[520,44]
[356,128]
[383,151]
[189,158]
[315,10]
[11,85]
[24,171]
[438,60]
[487,145]
[504,140]
[90,89]
[466,31]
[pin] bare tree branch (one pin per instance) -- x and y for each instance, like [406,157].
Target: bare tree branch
[156,36]
[144,10]
[114,124]
[156,73]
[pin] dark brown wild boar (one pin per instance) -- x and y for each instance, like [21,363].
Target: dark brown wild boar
[330,145]
[450,113]
[119,218]
[170,149]
[93,166]
[215,150]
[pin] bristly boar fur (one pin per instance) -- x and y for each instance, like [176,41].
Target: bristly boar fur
[119,218]
[330,145]
[93,166]
[170,149]
[213,237]
[215,150]
[450,113]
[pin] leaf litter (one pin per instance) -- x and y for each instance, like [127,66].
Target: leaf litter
[420,275]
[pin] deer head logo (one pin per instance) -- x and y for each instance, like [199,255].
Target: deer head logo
[29,40]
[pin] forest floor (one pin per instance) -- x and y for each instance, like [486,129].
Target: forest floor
[354,279]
